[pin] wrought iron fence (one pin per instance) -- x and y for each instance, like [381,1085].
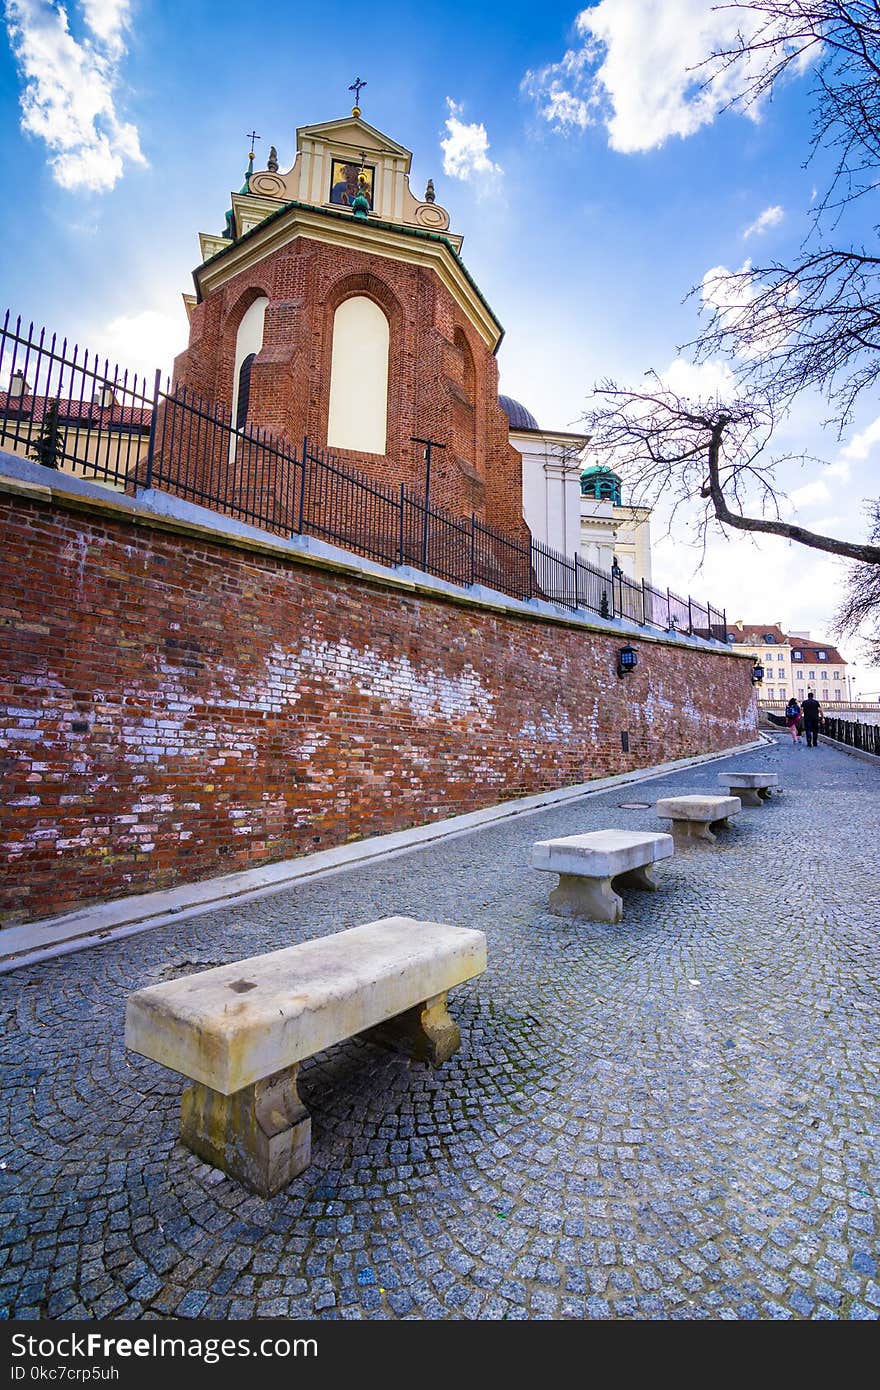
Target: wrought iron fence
[853,733]
[73,411]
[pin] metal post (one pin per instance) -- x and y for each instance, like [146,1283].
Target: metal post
[402,559]
[151,443]
[473,549]
[302,484]
[644,604]
[429,445]
[690,618]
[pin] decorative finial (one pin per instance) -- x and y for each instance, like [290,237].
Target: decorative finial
[356,88]
[252,136]
[272,164]
[429,191]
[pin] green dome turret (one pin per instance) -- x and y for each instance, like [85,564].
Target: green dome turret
[602,483]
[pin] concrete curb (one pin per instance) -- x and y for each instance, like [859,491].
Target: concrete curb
[862,753]
[109,921]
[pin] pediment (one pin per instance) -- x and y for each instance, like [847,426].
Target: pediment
[356,133]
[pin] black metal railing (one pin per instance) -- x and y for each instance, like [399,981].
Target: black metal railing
[853,733]
[71,410]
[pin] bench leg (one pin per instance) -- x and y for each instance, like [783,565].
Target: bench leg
[764,793]
[749,796]
[689,832]
[593,898]
[643,877]
[260,1135]
[426,1032]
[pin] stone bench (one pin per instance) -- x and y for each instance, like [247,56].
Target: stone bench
[752,788]
[697,817]
[240,1032]
[591,867]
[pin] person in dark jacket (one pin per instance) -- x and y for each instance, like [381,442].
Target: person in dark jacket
[812,712]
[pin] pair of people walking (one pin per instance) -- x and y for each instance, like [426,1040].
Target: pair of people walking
[803,719]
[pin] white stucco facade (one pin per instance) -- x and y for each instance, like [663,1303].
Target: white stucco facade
[551,470]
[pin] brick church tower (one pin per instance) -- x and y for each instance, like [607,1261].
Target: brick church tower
[336,306]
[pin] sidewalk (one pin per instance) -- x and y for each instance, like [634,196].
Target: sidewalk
[671,1118]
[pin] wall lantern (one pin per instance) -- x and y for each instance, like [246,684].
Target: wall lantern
[757,673]
[627,660]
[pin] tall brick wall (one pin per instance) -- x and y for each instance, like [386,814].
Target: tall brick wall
[173,706]
[442,379]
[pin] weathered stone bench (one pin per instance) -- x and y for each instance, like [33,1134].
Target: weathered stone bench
[591,867]
[752,788]
[697,817]
[240,1032]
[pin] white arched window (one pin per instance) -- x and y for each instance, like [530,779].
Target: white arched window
[248,342]
[358,415]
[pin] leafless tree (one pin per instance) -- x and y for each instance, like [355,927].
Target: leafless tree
[713,450]
[782,329]
[859,613]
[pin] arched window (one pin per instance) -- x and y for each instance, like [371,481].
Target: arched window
[358,413]
[248,341]
[244,391]
[464,415]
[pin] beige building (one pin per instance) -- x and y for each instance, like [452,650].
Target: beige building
[575,508]
[794,663]
[101,439]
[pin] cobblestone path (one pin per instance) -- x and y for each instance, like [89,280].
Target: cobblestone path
[676,1117]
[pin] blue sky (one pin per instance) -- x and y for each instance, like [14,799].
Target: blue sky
[592,183]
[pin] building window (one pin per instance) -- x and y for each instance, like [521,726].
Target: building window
[821,656]
[358,415]
[248,342]
[797,656]
[824,675]
[244,391]
[799,675]
[837,675]
[769,638]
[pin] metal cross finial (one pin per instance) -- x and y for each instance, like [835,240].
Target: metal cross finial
[356,88]
[252,136]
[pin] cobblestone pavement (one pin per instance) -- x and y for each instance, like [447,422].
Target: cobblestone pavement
[671,1118]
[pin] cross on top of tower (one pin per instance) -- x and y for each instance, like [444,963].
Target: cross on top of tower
[356,88]
[252,136]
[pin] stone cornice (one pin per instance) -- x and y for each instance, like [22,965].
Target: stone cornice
[391,240]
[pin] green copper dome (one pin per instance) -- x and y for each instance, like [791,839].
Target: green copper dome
[602,483]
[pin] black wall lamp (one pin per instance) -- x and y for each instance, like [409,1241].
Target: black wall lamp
[627,660]
[757,673]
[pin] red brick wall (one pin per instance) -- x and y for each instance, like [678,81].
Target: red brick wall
[175,707]
[442,381]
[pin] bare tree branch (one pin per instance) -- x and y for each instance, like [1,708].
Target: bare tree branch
[712,450]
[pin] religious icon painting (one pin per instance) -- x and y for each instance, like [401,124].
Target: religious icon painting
[344,182]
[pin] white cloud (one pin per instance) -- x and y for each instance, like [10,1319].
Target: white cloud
[69,89]
[638,69]
[141,342]
[699,382]
[466,148]
[810,494]
[732,302]
[770,217]
[860,446]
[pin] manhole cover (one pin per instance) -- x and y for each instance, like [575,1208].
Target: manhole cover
[634,805]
